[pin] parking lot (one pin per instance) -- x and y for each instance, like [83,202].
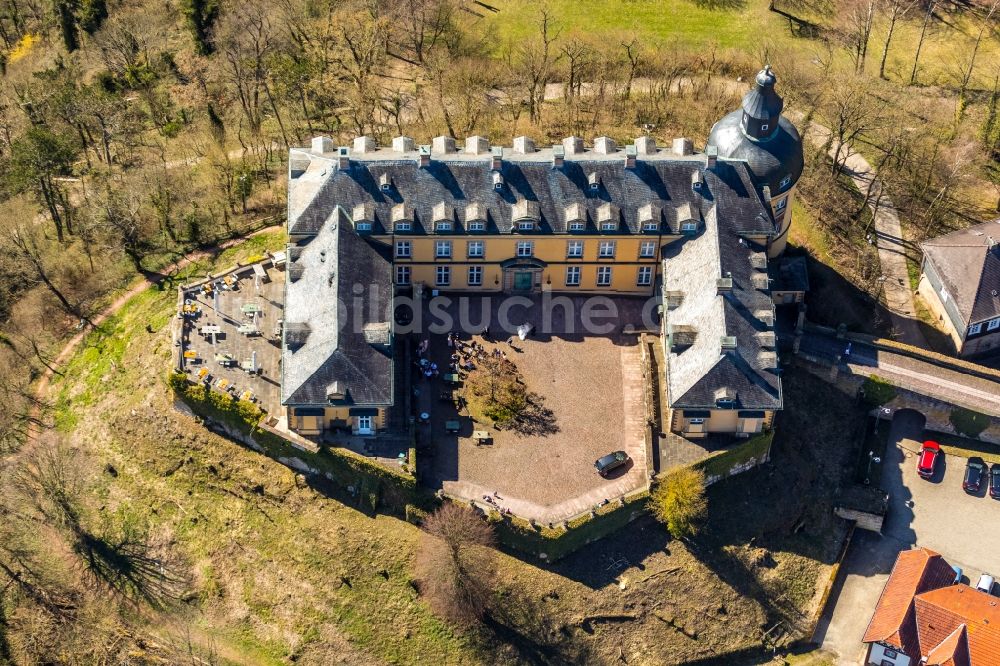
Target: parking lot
[935,513]
[246,314]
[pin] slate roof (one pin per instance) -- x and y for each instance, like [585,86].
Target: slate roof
[968,263]
[894,619]
[696,373]
[460,179]
[336,319]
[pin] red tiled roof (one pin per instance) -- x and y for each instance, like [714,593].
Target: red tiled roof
[952,651]
[940,612]
[893,622]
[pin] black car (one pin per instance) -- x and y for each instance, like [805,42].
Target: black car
[975,470]
[995,480]
[606,464]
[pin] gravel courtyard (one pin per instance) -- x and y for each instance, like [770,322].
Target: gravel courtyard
[593,386]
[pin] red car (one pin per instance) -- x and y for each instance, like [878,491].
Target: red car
[928,459]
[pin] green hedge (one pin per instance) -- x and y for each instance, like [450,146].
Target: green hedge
[878,391]
[370,484]
[720,463]
[558,542]
[968,422]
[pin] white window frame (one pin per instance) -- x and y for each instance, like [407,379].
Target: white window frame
[689,226]
[366,425]
[475,249]
[404,249]
[475,276]
[403,274]
[442,226]
[609,226]
[644,276]
[993,324]
[764,127]
[574,249]
[476,225]
[785,182]
[606,250]
[525,248]
[650,226]
[975,329]
[403,226]
[526,225]
[781,204]
[442,249]
[579,225]
[442,276]
[696,421]
[647,249]
[363,226]
[573,274]
[604,276]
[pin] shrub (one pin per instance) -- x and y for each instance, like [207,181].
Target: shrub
[877,391]
[968,423]
[679,501]
[415,515]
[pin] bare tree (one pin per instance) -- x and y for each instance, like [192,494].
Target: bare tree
[967,67]
[535,59]
[896,9]
[920,40]
[455,563]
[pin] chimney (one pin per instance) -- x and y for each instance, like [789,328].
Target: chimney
[497,158]
[682,146]
[767,195]
[558,155]
[424,151]
[343,157]
[443,145]
[630,153]
[573,145]
[364,144]
[605,145]
[524,145]
[711,156]
[477,145]
[402,144]
[645,145]
[321,145]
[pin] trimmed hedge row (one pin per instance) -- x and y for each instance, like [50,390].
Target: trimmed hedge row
[365,481]
[556,543]
[721,463]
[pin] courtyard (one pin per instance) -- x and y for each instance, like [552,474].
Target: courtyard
[588,389]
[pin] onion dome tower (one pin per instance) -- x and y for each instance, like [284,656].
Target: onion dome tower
[768,142]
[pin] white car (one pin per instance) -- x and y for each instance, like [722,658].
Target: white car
[985,584]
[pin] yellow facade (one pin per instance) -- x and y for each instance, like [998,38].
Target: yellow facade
[697,423]
[310,423]
[623,255]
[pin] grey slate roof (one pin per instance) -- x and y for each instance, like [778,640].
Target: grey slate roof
[334,335]
[770,160]
[696,374]
[762,102]
[968,263]
[460,180]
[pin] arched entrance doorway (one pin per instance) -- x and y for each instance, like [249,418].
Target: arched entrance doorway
[522,275]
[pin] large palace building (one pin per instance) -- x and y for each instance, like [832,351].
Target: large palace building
[699,231]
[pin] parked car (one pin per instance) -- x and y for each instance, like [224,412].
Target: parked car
[995,480]
[927,461]
[975,470]
[606,464]
[985,584]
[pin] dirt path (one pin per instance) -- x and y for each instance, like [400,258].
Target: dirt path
[42,388]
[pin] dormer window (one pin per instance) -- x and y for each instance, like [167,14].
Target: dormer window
[593,182]
[696,181]
[363,216]
[785,182]
[402,217]
[689,227]
[475,217]
[497,182]
[725,398]
[525,211]
[781,204]
[443,216]
[576,217]
[385,182]
[525,225]
[649,218]
[764,127]
[607,217]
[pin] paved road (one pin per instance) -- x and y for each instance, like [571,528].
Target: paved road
[936,514]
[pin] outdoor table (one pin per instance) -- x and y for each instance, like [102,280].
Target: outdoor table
[202,373]
[452,426]
[224,359]
[481,437]
[250,308]
[210,329]
[190,353]
[229,280]
[248,396]
[452,378]
[222,384]
[248,329]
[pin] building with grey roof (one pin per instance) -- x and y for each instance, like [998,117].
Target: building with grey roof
[696,231]
[960,282]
